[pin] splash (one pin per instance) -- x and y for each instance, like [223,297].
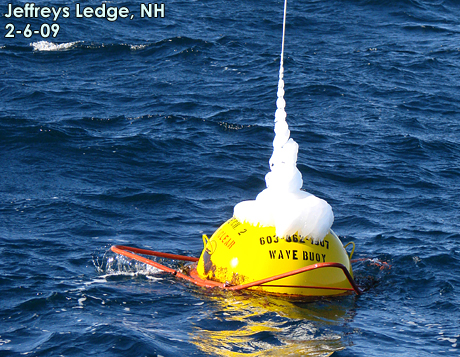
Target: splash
[112,265]
[283,204]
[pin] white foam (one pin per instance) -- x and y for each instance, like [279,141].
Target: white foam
[50,46]
[283,204]
[137,47]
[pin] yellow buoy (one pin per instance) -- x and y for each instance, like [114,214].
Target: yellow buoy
[240,253]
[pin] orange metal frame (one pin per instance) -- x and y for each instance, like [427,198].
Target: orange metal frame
[133,253]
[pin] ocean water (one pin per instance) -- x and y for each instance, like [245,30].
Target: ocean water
[147,131]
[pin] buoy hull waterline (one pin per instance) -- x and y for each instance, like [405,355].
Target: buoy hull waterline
[239,253]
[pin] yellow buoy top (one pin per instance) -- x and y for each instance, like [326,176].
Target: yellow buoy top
[240,253]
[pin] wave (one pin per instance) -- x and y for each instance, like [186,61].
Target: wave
[181,45]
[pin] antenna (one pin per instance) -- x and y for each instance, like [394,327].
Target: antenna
[284,31]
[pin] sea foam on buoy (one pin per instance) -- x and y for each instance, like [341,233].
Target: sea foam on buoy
[283,204]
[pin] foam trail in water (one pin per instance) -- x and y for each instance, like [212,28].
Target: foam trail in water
[283,204]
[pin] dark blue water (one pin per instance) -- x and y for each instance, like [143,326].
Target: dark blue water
[147,132]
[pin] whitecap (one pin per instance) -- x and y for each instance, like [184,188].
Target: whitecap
[50,46]
[137,47]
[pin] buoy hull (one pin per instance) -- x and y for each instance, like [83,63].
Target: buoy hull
[240,253]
